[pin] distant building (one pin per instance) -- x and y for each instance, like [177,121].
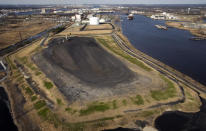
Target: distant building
[137,12]
[164,16]
[73,18]
[158,17]
[94,21]
[43,11]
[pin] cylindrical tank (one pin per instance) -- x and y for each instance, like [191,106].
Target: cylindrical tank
[78,17]
[94,21]
[102,21]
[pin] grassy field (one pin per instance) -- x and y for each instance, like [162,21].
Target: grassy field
[138,100]
[167,93]
[95,107]
[118,51]
[48,85]
[13,33]
[39,104]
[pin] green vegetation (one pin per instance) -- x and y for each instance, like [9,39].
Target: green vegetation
[33,98]
[16,74]
[20,78]
[119,52]
[24,60]
[59,101]
[148,113]
[10,63]
[29,91]
[70,110]
[43,113]
[46,114]
[114,104]
[95,107]
[124,102]
[23,87]
[39,104]
[48,85]
[169,92]
[138,100]
[37,73]
[74,126]
[58,30]
[33,68]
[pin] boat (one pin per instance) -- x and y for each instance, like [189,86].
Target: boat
[161,27]
[130,17]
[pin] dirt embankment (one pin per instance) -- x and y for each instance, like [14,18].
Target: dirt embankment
[84,70]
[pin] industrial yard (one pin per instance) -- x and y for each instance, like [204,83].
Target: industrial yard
[88,79]
[86,75]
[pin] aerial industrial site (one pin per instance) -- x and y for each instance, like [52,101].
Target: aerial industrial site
[74,68]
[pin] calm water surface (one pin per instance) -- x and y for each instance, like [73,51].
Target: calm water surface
[172,47]
[6,121]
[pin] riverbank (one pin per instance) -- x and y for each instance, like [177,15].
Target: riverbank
[179,25]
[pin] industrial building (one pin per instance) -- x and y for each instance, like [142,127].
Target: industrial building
[94,21]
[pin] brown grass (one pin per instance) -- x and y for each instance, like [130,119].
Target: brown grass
[10,34]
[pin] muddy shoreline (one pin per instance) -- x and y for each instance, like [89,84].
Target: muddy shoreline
[19,114]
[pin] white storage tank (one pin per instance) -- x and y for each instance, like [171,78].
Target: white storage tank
[102,21]
[78,17]
[94,21]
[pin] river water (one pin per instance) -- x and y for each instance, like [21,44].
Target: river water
[171,47]
[6,121]
[181,121]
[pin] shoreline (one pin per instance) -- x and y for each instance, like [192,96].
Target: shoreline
[178,25]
